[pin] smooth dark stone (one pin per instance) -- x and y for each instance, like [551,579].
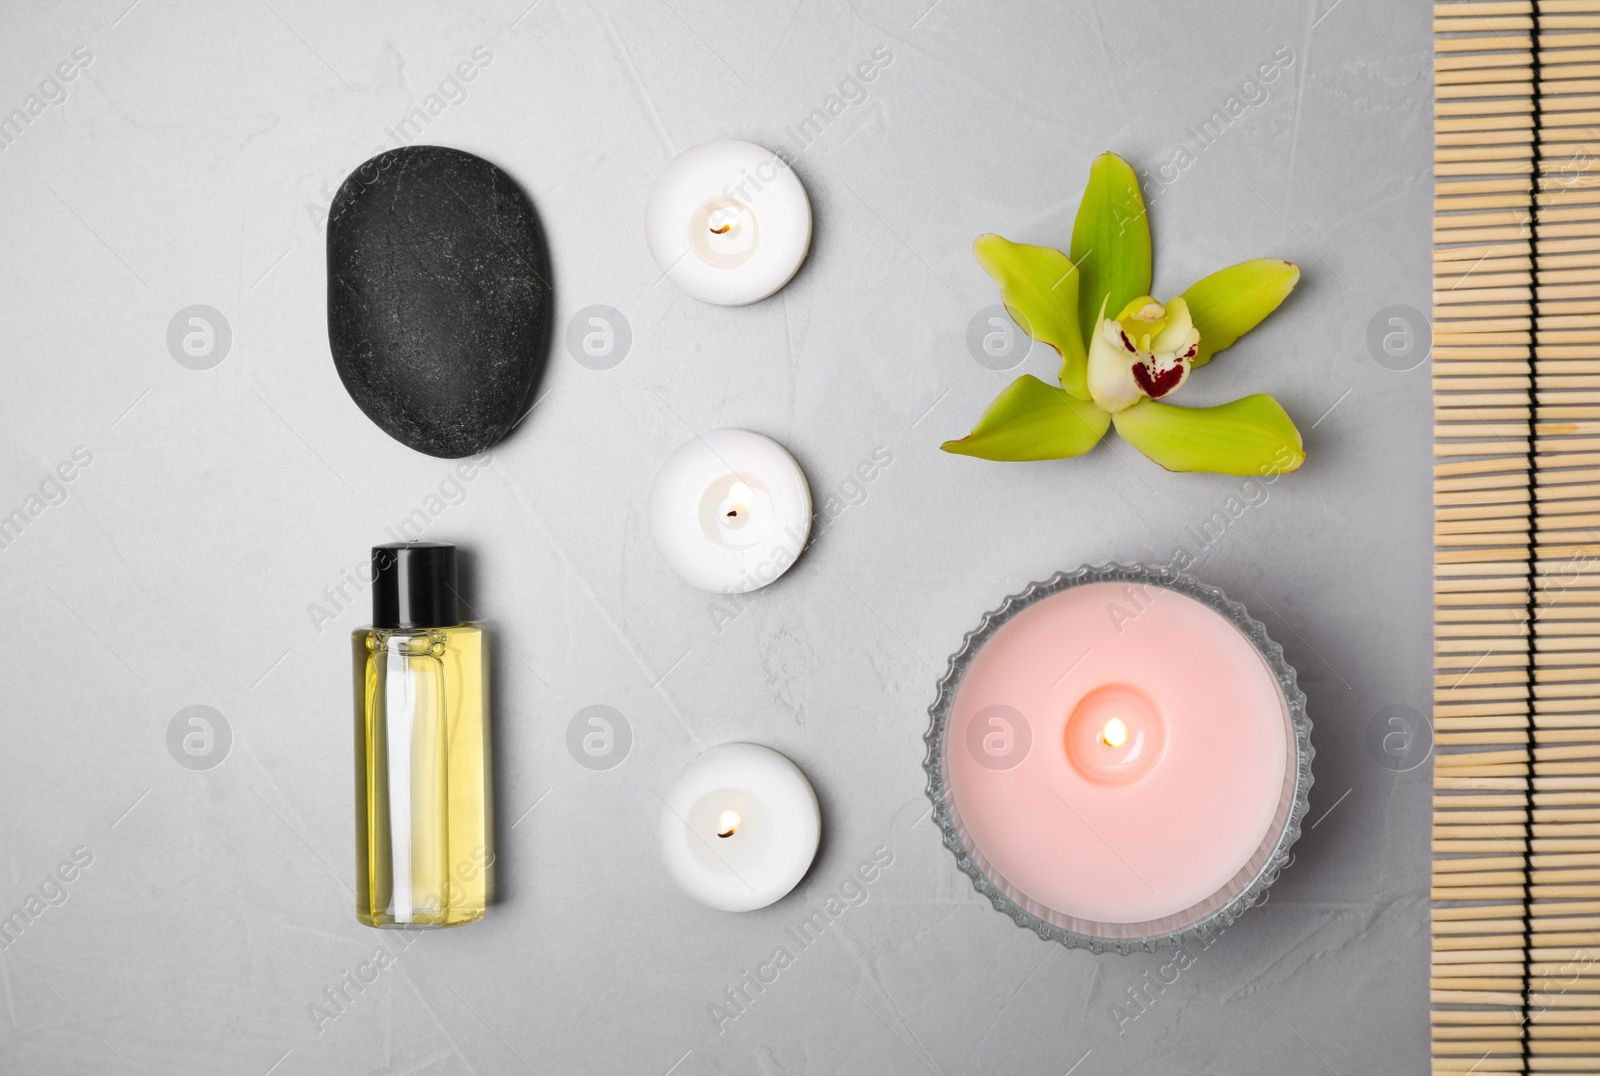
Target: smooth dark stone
[439,298]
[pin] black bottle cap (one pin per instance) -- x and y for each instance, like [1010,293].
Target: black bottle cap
[414,585]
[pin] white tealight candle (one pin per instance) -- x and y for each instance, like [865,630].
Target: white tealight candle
[728,222]
[730,511]
[740,828]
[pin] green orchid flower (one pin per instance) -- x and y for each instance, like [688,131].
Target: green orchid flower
[1123,352]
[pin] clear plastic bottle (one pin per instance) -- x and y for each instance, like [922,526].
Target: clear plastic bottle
[423,843]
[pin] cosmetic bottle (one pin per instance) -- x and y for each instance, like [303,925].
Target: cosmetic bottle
[423,842]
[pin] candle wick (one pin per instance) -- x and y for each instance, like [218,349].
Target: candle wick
[722,230]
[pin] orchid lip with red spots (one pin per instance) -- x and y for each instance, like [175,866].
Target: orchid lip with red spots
[1147,351]
[1156,383]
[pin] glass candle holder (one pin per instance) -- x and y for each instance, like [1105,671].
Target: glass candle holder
[1120,749]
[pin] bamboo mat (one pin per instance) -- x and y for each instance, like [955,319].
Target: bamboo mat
[1515,974]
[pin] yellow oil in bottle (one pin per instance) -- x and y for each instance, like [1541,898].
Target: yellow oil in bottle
[423,842]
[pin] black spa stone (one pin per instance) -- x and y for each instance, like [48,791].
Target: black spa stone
[439,298]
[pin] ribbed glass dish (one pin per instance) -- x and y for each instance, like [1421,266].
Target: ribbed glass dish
[1198,921]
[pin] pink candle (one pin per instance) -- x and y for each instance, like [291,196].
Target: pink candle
[1118,754]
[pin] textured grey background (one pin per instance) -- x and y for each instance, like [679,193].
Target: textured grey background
[190,163]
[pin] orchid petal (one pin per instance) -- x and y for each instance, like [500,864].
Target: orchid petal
[1039,287]
[1252,436]
[1110,239]
[1232,301]
[1174,332]
[1031,420]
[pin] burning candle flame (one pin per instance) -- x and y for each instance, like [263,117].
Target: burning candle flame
[723,220]
[1115,734]
[728,824]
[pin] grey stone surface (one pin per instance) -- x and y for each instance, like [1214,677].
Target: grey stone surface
[203,552]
